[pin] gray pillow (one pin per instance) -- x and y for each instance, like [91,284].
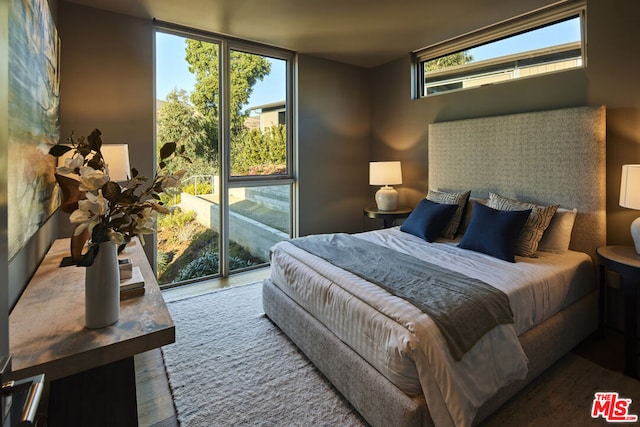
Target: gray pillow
[557,236]
[451,198]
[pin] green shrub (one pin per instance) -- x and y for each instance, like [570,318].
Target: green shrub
[205,265]
[198,188]
[176,219]
[236,263]
[200,257]
[169,200]
[163,261]
[208,264]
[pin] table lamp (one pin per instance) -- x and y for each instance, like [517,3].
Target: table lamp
[630,198]
[385,174]
[116,156]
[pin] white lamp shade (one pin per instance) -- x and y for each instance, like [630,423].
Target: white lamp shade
[630,187]
[385,173]
[116,156]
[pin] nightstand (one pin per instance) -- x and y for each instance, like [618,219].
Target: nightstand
[388,217]
[625,261]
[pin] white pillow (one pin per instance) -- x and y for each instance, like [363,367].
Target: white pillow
[557,236]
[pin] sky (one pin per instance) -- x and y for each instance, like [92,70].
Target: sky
[172,72]
[563,32]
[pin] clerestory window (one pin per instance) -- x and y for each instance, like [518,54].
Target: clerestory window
[544,41]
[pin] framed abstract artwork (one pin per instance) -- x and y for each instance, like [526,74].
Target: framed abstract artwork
[33,119]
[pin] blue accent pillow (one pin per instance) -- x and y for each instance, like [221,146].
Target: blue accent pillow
[494,232]
[428,219]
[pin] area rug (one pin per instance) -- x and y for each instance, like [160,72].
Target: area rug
[230,366]
[563,396]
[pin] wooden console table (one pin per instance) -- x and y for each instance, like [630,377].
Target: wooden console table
[91,372]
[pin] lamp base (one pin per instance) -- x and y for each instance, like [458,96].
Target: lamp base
[635,234]
[387,199]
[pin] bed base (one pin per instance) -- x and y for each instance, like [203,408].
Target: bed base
[379,401]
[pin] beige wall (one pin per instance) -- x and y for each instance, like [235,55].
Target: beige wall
[399,124]
[107,82]
[334,124]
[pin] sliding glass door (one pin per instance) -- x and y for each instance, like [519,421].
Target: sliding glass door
[229,104]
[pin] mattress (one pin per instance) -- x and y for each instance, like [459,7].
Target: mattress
[398,340]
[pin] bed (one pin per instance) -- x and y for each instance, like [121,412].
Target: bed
[371,345]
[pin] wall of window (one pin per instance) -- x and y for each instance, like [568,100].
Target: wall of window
[233,114]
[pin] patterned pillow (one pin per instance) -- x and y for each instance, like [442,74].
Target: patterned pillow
[533,229]
[455,198]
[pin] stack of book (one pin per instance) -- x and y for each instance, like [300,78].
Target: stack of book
[131,280]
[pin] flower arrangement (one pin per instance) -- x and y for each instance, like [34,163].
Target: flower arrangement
[111,211]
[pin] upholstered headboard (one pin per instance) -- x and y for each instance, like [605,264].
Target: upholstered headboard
[543,157]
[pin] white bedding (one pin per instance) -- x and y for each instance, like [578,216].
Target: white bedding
[398,339]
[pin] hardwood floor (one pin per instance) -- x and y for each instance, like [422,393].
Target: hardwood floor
[606,351]
[155,404]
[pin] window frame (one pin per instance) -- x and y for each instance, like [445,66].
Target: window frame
[225,45]
[289,57]
[228,181]
[526,22]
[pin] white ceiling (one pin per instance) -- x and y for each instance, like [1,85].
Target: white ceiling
[366,33]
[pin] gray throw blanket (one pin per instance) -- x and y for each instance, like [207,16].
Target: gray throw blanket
[463,308]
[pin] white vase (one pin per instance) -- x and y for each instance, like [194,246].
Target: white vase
[102,288]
